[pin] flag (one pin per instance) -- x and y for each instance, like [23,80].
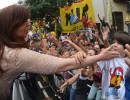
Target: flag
[71,17]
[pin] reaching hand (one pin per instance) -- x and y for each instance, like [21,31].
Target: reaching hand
[73,37]
[107,54]
[63,87]
[79,57]
[96,35]
[67,40]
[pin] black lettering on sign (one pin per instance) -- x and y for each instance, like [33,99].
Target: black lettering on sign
[78,12]
[85,9]
[67,18]
[77,27]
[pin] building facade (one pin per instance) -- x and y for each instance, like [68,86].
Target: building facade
[115,11]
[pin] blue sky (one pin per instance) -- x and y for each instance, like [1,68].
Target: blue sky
[5,3]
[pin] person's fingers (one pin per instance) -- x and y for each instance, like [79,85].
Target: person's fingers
[73,56]
[85,55]
[127,60]
[81,57]
[114,54]
[109,54]
[61,90]
[76,59]
[127,47]
[127,53]
[109,48]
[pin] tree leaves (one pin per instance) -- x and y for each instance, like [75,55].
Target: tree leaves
[42,8]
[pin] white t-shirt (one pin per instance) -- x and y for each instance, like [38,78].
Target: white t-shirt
[113,78]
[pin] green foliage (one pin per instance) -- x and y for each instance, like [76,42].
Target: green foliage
[44,8]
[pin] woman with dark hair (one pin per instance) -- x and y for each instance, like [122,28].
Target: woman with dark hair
[16,58]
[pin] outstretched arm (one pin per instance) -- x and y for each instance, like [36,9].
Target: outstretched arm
[74,78]
[70,81]
[73,44]
[29,61]
[99,17]
[98,37]
[106,37]
[76,41]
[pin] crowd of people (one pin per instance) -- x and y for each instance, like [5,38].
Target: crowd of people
[98,59]
[102,80]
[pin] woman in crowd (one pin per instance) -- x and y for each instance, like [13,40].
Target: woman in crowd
[16,58]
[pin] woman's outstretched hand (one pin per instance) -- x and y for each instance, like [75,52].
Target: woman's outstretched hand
[105,54]
[108,53]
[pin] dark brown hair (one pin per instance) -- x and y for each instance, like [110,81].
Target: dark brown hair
[122,37]
[11,18]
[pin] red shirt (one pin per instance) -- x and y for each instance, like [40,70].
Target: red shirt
[84,21]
